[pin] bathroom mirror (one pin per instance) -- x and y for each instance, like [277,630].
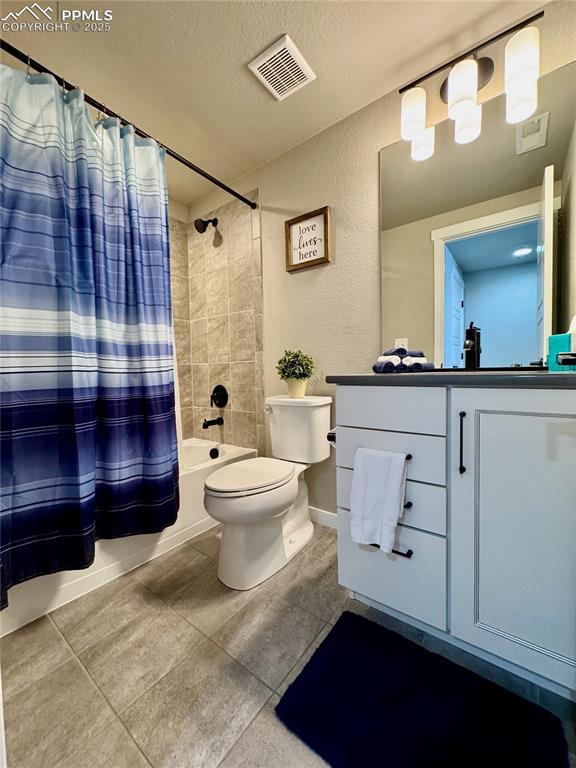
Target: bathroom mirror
[481,233]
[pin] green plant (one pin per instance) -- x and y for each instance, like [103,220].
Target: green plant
[295,365]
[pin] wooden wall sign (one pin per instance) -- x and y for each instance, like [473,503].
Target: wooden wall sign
[308,239]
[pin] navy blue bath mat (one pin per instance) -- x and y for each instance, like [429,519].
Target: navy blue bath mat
[369,698]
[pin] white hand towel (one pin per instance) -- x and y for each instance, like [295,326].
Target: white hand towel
[377,498]
[394,359]
[411,360]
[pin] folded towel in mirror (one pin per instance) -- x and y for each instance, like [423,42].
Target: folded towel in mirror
[384,367]
[420,366]
[394,359]
[411,359]
[403,352]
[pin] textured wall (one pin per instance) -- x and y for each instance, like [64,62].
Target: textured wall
[225,304]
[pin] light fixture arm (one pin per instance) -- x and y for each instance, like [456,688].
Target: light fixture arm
[472,51]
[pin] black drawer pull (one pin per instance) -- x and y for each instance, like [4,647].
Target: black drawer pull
[408,457]
[408,554]
[408,505]
[462,468]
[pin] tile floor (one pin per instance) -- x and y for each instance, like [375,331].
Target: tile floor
[167,668]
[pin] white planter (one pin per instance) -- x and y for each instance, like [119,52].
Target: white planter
[296,387]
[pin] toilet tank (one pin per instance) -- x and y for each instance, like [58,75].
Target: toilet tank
[298,428]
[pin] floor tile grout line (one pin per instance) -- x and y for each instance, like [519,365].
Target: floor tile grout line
[108,702]
[264,704]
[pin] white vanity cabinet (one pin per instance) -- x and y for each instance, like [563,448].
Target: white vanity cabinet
[513,526]
[492,524]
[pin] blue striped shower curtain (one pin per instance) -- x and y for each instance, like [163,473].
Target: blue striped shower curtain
[88,442]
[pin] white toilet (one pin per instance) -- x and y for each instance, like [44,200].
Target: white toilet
[262,503]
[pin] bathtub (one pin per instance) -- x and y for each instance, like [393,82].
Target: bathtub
[114,557]
[195,466]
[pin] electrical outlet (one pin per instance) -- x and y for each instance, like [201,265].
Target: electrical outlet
[401,343]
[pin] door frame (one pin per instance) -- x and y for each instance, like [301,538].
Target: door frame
[443,235]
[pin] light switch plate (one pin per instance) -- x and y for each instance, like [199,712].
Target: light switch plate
[401,343]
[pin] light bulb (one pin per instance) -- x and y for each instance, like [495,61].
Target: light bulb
[521,72]
[468,125]
[462,88]
[423,144]
[521,104]
[413,113]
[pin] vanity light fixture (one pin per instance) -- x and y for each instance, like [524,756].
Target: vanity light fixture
[521,72]
[468,74]
[423,144]
[462,89]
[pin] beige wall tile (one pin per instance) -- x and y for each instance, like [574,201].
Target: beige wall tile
[217,292]
[180,297]
[258,306]
[244,429]
[260,404]
[218,339]
[257,257]
[241,286]
[187,422]
[182,342]
[195,252]
[185,385]
[262,439]
[259,360]
[243,395]
[198,296]
[239,245]
[200,382]
[199,341]
[178,248]
[219,373]
[215,250]
[258,332]
[242,339]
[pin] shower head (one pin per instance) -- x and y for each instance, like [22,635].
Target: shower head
[201,225]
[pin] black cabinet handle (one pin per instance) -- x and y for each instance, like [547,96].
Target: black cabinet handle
[408,505]
[408,554]
[462,468]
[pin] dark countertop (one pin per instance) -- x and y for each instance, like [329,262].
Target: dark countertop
[445,378]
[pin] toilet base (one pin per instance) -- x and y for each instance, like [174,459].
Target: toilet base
[251,554]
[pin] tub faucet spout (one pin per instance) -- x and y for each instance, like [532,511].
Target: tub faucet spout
[219,422]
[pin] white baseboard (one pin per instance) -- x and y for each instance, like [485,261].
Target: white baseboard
[29,601]
[324,517]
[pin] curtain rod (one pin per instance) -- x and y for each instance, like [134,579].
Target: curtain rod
[23,57]
[477,47]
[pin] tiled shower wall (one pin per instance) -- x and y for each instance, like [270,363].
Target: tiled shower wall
[222,341]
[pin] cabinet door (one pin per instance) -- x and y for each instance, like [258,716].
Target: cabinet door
[513,526]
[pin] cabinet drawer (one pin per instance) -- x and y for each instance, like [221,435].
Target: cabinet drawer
[414,586]
[428,464]
[401,409]
[428,510]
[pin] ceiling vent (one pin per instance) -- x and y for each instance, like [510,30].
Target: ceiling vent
[282,69]
[532,134]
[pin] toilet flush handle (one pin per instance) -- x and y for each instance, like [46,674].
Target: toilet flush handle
[268,409]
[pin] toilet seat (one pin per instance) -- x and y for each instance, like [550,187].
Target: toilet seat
[249,477]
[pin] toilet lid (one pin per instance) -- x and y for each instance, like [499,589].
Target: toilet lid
[250,475]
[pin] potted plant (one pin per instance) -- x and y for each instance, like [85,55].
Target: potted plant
[295,368]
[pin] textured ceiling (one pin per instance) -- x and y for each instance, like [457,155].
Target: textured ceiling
[178,69]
